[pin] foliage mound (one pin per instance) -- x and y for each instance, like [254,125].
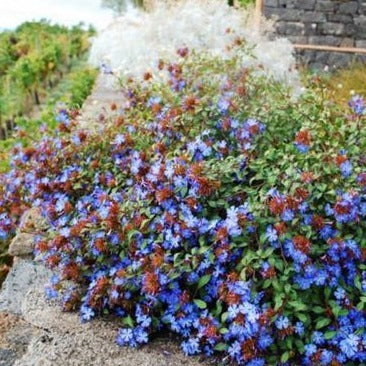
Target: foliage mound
[215,206]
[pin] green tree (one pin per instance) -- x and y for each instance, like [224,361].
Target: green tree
[119,6]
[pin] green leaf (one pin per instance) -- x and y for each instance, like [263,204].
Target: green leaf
[279,265]
[318,310]
[329,335]
[302,317]
[200,303]
[285,357]
[278,301]
[128,321]
[322,323]
[204,281]
[221,347]
[218,308]
[224,317]
[300,345]
[299,306]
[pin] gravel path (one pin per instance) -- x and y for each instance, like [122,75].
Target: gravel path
[97,107]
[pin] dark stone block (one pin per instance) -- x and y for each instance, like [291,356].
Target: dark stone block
[306,57]
[325,40]
[287,4]
[349,30]
[325,6]
[340,18]
[361,43]
[360,23]
[347,42]
[292,15]
[312,17]
[290,28]
[272,3]
[338,23]
[350,7]
[332,28]
[312,29]
[305,4]
[339,59]
[270,12]
[322,57]
[318,66]
[298,39]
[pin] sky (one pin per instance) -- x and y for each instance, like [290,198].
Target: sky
[68,12]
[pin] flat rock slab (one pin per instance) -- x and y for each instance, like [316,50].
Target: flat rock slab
[24,276]
[40,334]
[22,245]
[15,336]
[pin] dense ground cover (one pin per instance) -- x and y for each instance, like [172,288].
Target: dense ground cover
[33,58]
[215,206]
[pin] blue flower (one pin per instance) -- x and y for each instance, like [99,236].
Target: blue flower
[282,322]
[318,338]
[264,341]
[349,345]
[357,105]
[271,234]
[346,168]
[256,362]
[235,350]
[119,139]
[125,337]
[302,148]
[223,105]
[287,215]
[153,100]
[191,346]
[299,328]
[326,357]
[86,313]
[310,349]
[340,294]
[50,292]
[140,335]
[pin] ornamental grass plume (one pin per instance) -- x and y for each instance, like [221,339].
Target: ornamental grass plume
[135,41]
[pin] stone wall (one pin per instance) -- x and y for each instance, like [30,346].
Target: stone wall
[321,22]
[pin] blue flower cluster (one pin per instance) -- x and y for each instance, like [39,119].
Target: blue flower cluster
[162,221]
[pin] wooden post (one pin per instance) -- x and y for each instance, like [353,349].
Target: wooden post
[258,12]
[330,48]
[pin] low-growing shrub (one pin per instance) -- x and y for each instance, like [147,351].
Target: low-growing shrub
[215,206]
